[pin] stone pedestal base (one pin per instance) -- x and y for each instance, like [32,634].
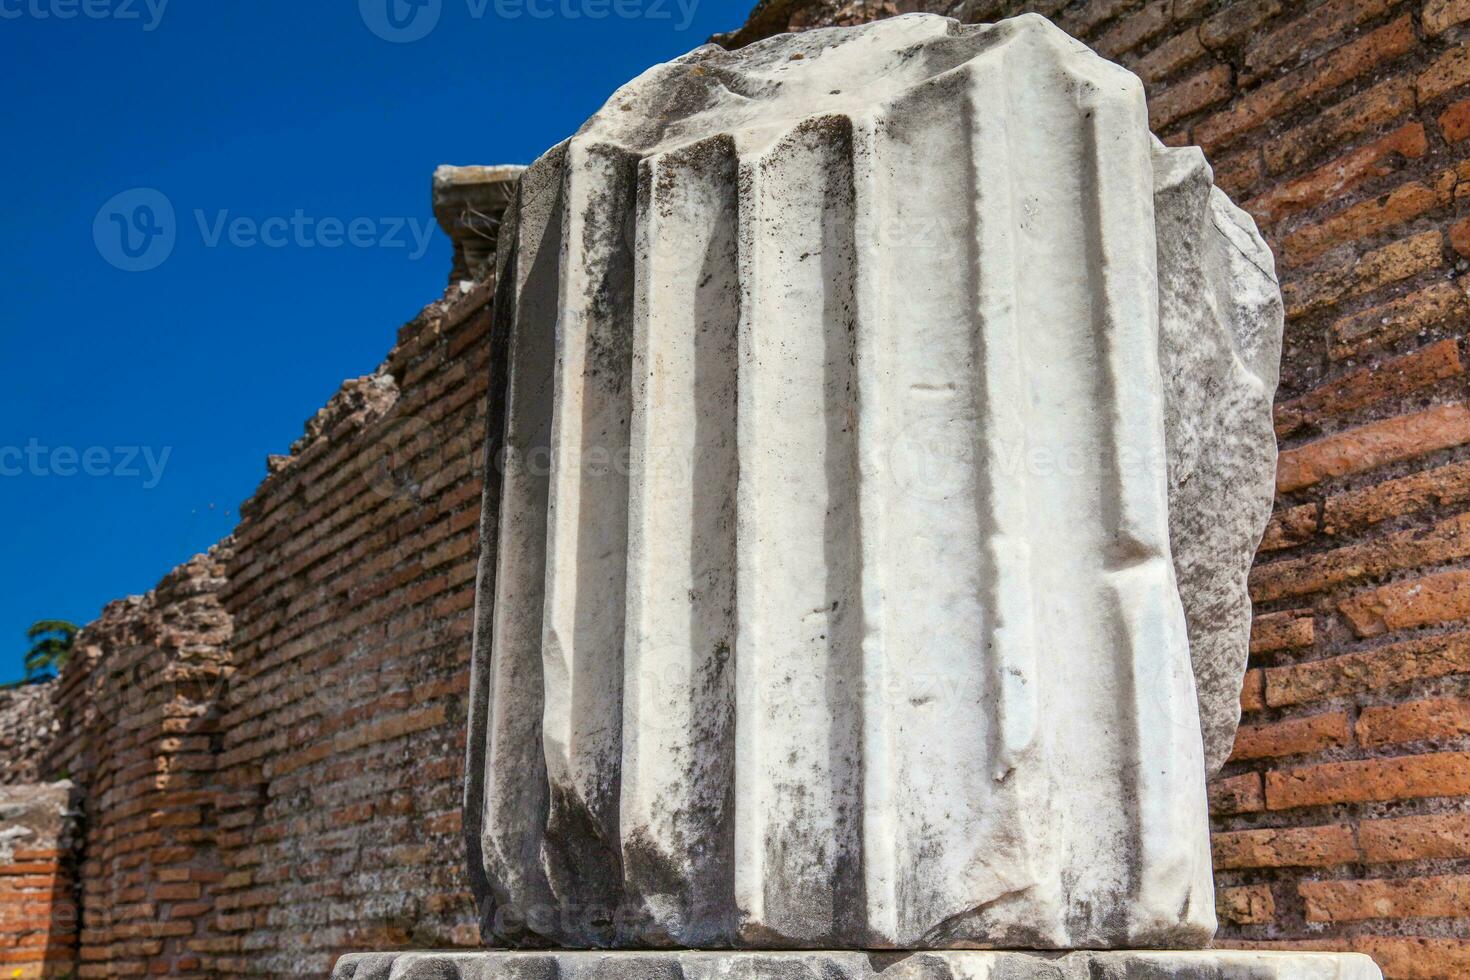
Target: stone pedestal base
[949,965]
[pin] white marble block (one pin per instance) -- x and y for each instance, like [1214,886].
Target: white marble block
[881,436]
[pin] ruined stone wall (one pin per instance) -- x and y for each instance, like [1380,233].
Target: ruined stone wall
[1344,127]
[27,726]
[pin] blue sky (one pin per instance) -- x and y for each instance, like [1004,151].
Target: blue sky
[139,406]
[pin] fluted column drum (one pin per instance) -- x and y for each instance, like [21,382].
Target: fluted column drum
[879,438]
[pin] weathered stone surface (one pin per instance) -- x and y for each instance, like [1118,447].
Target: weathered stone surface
[969,965]
[469,203]
[27,726]
[36,817]
[885,412]
[1219,350]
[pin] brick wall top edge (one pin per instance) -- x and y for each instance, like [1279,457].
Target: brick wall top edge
[362,400]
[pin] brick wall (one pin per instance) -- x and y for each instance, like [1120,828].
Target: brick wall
[139,727]
[38,911]
[270,743]
[351,590]
[1344,127]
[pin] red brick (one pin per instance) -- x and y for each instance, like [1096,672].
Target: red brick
[1186,97]
[1440,15]
[1460,237]
[1135,29]
[1402,204]
[1237,20]
[1388,322]
[1189,10]
[1296,736]
[1419,602]
[1416,958]
[1369,385]
[1253,690]
[1237,794]
[1323,75]
[1444,896]
[1289,527]
[1286,847]
[1331,20]
[1454,122]
[1373,445]
[1407,777]
[1442,486]
[1093,13]
[1237,173]
[1354,116]
[1245,905]
[1380,267]
[1169,58]
[1414,721]
[1332,179]
[1445,541]
[1380,669]
[1290,630]
[1432,837]
[1450,71]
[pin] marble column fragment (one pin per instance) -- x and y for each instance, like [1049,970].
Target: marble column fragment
[881,433]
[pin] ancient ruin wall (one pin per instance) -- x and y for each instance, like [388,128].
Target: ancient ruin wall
[351,589]
[270,743]
[138,713]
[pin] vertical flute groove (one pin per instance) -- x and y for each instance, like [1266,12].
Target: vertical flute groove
[1165,755]
[513,804]
[873,337]
[677,786]
[587,536]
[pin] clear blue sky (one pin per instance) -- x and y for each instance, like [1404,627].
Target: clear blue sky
[138,407]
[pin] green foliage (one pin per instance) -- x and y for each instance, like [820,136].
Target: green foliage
[51,641]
